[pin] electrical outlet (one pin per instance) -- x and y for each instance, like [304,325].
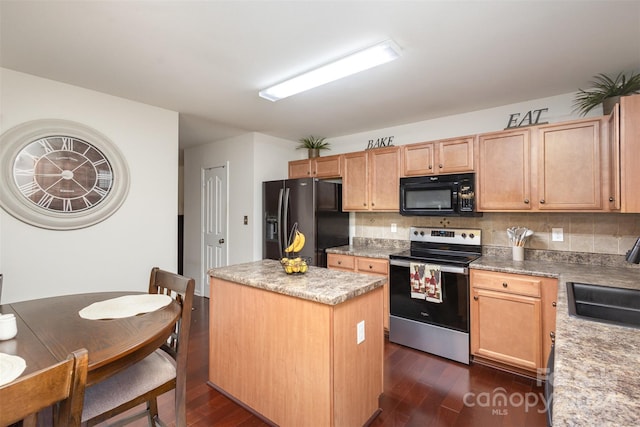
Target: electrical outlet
[394,228]
[557,235]
[360,334]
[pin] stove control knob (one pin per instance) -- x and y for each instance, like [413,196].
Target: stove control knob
[471,236]
[464,235]
[415,233]
[422,233]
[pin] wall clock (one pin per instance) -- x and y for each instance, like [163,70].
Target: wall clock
[60,175]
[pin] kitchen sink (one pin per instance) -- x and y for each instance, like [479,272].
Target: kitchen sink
[605,304]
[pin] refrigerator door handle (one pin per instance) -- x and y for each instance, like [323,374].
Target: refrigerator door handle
[279,224]
[285,224]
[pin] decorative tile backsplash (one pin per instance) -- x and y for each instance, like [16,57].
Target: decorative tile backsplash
[588,233]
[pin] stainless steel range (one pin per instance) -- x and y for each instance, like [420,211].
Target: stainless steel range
[429,291]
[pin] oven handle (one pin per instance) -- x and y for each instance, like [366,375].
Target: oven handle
[443,268]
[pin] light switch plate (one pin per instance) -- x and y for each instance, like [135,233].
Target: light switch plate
[360,328]
[394,228]
[557,235]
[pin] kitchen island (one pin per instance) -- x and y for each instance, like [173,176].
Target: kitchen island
[297,349]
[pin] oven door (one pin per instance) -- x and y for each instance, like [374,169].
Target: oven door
[452,312]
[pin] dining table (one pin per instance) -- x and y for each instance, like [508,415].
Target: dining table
[49,329]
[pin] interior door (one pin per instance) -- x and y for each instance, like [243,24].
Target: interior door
[214,222]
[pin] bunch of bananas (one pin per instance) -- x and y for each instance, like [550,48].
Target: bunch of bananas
[298,243]
[296,240]
[294,265]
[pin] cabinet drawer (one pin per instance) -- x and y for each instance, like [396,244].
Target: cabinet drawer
[372,265]
[505,282]
[343,262]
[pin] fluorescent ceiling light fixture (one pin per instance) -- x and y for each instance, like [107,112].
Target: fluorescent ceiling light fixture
[359,61]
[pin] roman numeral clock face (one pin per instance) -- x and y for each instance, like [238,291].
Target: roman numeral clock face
[63,174]
[60,175]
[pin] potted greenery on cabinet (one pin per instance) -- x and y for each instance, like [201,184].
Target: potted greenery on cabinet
[314,145]
[606,91]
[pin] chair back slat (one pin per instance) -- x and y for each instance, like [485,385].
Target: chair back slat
[181,289]
[62,383]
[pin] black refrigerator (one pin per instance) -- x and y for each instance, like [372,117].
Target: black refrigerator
[315,205]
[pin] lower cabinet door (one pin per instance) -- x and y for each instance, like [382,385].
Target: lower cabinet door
[506,328]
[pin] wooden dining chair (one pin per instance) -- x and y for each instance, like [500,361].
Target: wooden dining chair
[61,385]
[161,371]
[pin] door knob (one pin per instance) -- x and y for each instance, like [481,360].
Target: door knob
[221,241]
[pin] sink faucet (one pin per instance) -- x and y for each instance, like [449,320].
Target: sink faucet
[634,253]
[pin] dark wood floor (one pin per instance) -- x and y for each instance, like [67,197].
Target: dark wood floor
[420,390]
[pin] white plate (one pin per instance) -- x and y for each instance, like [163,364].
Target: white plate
[126,306]
[10,367]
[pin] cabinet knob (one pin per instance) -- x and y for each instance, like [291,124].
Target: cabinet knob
[339,262]
[364,204]
[373,204]
[542,201]
[504,284]
[526,201]
[475,297]
[611,199]
[440,166]
[553,336]
[553,304]
[430,167]
[370,266]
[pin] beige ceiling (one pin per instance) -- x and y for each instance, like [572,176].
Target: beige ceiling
[208,59]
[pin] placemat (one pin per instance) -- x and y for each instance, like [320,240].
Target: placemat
[125,306]
[11,367]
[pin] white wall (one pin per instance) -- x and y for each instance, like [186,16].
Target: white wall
[489,120]
[118,253]
[252,158]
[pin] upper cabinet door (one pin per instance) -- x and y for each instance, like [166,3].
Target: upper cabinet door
[570,166]
[355,185]
[613,145]
[418,159]
[327,167]
[504,171]
[385,179]
[455,155]
[300,169]
[629,153]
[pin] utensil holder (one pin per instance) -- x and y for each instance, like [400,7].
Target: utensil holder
[518,253]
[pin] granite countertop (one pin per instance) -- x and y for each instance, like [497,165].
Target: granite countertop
[364,251]
[597,365]
[318,284]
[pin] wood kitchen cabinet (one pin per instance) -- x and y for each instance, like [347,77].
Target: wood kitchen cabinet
[570,164]
[371,180]
[504,171]
[438,157]
[318,167]
[559,167]
[512,320]
[623,128]
[364,265]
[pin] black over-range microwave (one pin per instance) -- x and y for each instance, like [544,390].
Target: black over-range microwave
[450,195]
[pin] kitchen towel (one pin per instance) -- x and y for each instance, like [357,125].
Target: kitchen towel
[11,367]
[126,306]
[425,282]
